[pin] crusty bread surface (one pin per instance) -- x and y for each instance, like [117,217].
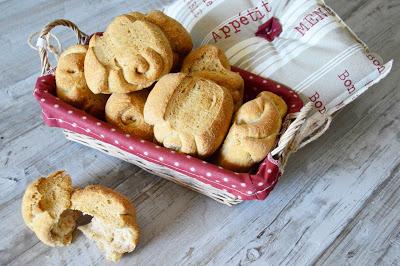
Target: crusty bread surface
[125,111]
[131,55]
[45,209]
[190,114]
[253,133]
[210,62]
[71,84]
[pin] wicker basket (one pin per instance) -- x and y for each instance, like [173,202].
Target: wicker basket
[220,184]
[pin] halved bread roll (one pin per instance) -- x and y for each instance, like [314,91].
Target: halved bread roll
[113,226]
[51,209]
[46,209]
[190,114]
[253,133]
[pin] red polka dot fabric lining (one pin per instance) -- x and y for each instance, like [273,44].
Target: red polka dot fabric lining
[255,185]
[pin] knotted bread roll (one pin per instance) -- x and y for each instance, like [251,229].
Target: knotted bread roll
[210,62]
[125,111]
[131,55]
[71,85]
[189,114]
[253,133]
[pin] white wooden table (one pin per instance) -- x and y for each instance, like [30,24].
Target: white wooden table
[338,203]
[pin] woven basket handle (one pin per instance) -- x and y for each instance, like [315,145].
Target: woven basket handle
[300,133]
[43,39]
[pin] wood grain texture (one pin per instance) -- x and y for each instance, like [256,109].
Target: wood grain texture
[338,203]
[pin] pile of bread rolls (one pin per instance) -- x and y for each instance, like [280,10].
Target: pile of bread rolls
[162,90]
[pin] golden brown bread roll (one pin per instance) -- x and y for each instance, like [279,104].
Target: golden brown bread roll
[125,111]
[277,100]
[253,133]
[179,38]
[113,226]
[46,209]
[189,114]
[210,62]
[71,85]
[131,55]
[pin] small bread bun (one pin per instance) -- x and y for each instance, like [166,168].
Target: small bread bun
[190,114]
[125,111]
[71,85]
[278,101]
[45,209]
[179,38]
[210,62]
[253,133]
[113,226]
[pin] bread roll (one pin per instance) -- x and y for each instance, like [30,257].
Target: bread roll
[71,84]
[179,38]
[125,111]
[113,226]
[253,133]
[45,209]
[210,62]
[189,114]
[277,100]
[130,56]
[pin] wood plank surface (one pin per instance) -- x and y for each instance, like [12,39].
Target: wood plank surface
[337,204]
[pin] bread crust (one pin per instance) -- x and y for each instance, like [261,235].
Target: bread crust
[125,111]
[131,55]
[253,133]
[71,84]
[189,114]
[45,207]
[178,37]
[277,100]
[210,62]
